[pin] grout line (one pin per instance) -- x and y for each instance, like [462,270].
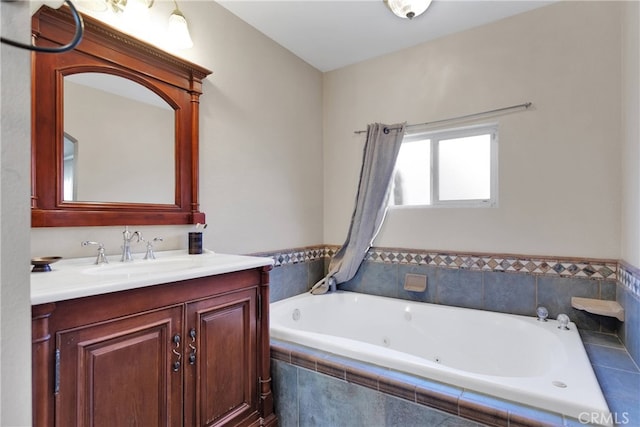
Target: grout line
[616,369]
[617,347]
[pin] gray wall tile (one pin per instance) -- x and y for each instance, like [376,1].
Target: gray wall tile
[401,413]
[316,271]
[374,278]
[288,280]
[285,392]
[461,288]
[327,401]
[510,293]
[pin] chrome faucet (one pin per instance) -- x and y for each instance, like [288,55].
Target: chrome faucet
[150,254]
[102,258]
[126,245]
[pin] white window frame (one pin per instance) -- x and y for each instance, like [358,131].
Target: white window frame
[444,134]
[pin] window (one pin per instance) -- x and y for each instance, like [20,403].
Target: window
[455,167]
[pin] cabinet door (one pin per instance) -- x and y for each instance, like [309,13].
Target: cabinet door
[121,372]
[222,385]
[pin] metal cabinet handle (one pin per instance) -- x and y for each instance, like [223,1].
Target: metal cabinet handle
[176,364]
[192,355]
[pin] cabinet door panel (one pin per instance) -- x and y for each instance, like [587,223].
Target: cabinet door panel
[225,373]
[119,373]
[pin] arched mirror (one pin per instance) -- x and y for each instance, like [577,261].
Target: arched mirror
[123,141]
[115,129]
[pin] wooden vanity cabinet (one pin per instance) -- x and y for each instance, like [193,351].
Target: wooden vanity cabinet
[190,353]
[114,372]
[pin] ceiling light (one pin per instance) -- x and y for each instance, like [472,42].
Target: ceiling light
[407,8]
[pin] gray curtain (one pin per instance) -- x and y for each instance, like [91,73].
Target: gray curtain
[380,153]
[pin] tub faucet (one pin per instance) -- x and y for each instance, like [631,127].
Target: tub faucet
[333,285]
[324,285]
[126,245]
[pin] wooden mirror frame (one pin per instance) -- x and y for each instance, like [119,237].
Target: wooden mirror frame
[107,50]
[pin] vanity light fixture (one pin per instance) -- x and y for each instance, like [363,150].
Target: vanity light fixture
[179,30]
[137,11]
[407,9]
[115,6]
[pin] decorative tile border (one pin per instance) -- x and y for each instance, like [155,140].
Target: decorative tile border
[559,267]
[629,277]
[296,255]
[600,269]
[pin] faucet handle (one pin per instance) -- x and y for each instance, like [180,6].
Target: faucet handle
[542,313]
[563,321]
[150,254]
[102,258]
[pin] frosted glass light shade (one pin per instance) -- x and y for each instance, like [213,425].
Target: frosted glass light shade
[179,31]
[408,9]
[137,11]
[93,5]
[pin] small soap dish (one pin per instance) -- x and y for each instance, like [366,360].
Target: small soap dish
[41,264]
[598,306]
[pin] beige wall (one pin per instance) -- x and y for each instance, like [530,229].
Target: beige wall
[260,146]
[15,143]
[559,164]
[630,236]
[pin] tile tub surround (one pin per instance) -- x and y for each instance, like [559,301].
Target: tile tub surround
[628,296]
[506,283]
[298,269]
[518,293]
[617,373]
[312,387]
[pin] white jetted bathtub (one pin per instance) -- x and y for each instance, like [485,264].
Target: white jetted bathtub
[511,357]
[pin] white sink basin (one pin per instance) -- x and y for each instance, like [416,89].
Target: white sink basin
[151,266]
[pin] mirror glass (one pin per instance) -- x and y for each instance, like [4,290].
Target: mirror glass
[119,141]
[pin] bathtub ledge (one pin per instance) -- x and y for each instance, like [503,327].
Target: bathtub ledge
[457,401]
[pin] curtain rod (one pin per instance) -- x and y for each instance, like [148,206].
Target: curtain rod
[525,106]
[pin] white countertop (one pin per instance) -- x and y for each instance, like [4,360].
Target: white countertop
[80,277]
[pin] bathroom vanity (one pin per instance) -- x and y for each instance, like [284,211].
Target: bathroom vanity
[178,341]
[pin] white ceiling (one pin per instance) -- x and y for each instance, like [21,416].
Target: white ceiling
[330,34]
